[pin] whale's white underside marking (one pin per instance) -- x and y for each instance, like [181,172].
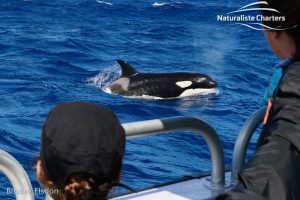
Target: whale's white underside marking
[184,84]
[192,92]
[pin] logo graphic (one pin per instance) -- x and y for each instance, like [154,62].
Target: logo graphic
[243,17]
[246,8]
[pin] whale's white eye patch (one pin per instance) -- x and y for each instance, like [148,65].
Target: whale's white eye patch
[184,84]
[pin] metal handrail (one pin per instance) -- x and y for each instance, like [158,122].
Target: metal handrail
[23,188]
[242,142]
[18,177]
[152,127]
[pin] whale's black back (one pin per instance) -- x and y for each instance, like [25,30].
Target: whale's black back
[159,85]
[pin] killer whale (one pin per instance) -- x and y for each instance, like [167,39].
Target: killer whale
[161,85]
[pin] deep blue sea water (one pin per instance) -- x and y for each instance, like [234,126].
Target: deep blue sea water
[64,50]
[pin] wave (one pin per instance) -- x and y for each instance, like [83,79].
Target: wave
[105,2]
[159,4]
[170,5]
[18,145]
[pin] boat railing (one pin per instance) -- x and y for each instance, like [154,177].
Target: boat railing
[23,189]
[242,142]
[152,127]
[17,176]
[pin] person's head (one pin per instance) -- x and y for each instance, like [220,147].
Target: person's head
[82,147]
[285,43]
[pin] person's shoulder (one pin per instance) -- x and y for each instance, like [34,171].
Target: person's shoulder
[292,72]
[290,83]
[293,68]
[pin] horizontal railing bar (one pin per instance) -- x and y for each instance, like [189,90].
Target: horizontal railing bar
[153,127]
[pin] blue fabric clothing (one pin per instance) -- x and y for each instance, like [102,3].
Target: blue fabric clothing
[276,77]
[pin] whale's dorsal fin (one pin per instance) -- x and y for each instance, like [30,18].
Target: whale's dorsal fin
[127,70]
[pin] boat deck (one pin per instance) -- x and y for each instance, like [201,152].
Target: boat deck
[194,189]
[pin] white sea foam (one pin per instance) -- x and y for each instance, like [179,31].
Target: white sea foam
[156,4]
[104,2]
[105,77]
[164,4]
[143,97]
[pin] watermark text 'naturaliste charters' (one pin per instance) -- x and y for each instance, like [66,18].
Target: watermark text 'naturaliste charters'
[249,18]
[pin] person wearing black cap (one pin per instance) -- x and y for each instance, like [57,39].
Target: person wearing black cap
[82,147]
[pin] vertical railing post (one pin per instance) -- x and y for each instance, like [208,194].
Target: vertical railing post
[242,142]
[17,176]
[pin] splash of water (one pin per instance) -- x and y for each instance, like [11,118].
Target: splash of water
[105,77]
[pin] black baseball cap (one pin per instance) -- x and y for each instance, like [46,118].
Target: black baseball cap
[82,137]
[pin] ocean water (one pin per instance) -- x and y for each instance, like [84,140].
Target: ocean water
[64,50]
